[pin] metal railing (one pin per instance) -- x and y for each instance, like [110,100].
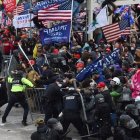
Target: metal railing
[34,99]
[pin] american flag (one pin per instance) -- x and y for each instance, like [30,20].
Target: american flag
[57,12]
[114,31]
[19,9]
[22,9]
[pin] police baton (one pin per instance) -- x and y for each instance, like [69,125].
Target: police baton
[83,106]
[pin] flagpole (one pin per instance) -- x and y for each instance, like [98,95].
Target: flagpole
[16,14]
[30,20]
[71,24]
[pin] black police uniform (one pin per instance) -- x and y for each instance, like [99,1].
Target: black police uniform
[127,130]
[52,101]
[102,115]
[71,112]
[3,93]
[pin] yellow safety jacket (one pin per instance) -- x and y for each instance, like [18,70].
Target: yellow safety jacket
[20,87]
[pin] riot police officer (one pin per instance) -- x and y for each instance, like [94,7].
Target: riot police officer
[102,117]
[17,95]
[53,99]
[127,130]
[132,111]
[71,112]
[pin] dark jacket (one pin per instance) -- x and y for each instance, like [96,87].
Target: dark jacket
[108,99]
[40,134]
[3,94]
[53,94]
[102,112]
[124,134]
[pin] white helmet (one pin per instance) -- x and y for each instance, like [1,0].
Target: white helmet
[116,80]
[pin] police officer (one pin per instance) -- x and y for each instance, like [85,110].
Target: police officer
[71,112]
[127,130]
[53,99]
[3,92]
[17,94]
[132,111]
[102,117]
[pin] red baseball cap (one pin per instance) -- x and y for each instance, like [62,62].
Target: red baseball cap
[80,65]
[101,84]
[108,50]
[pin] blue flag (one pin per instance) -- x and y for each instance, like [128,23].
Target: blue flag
[125,12]
[46,4]
[100,63]
[56,34]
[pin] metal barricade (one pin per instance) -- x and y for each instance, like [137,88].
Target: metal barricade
[34,97]
[5,65]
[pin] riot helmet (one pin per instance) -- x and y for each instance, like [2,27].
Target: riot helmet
[127,122]
[53,123]
[131,109]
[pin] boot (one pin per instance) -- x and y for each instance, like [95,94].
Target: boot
[24,123]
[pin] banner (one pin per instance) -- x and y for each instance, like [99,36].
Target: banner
[55,34]
[46,4]
[100,63]
[9,5]
[135,84]
[22,21]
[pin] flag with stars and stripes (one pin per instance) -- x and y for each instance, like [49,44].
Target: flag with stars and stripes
[19,9]
[22,9]
[61,11]
[114,31]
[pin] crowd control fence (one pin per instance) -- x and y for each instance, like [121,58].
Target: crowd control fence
[34,99]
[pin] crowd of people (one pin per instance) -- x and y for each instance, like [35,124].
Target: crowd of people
[103,105]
